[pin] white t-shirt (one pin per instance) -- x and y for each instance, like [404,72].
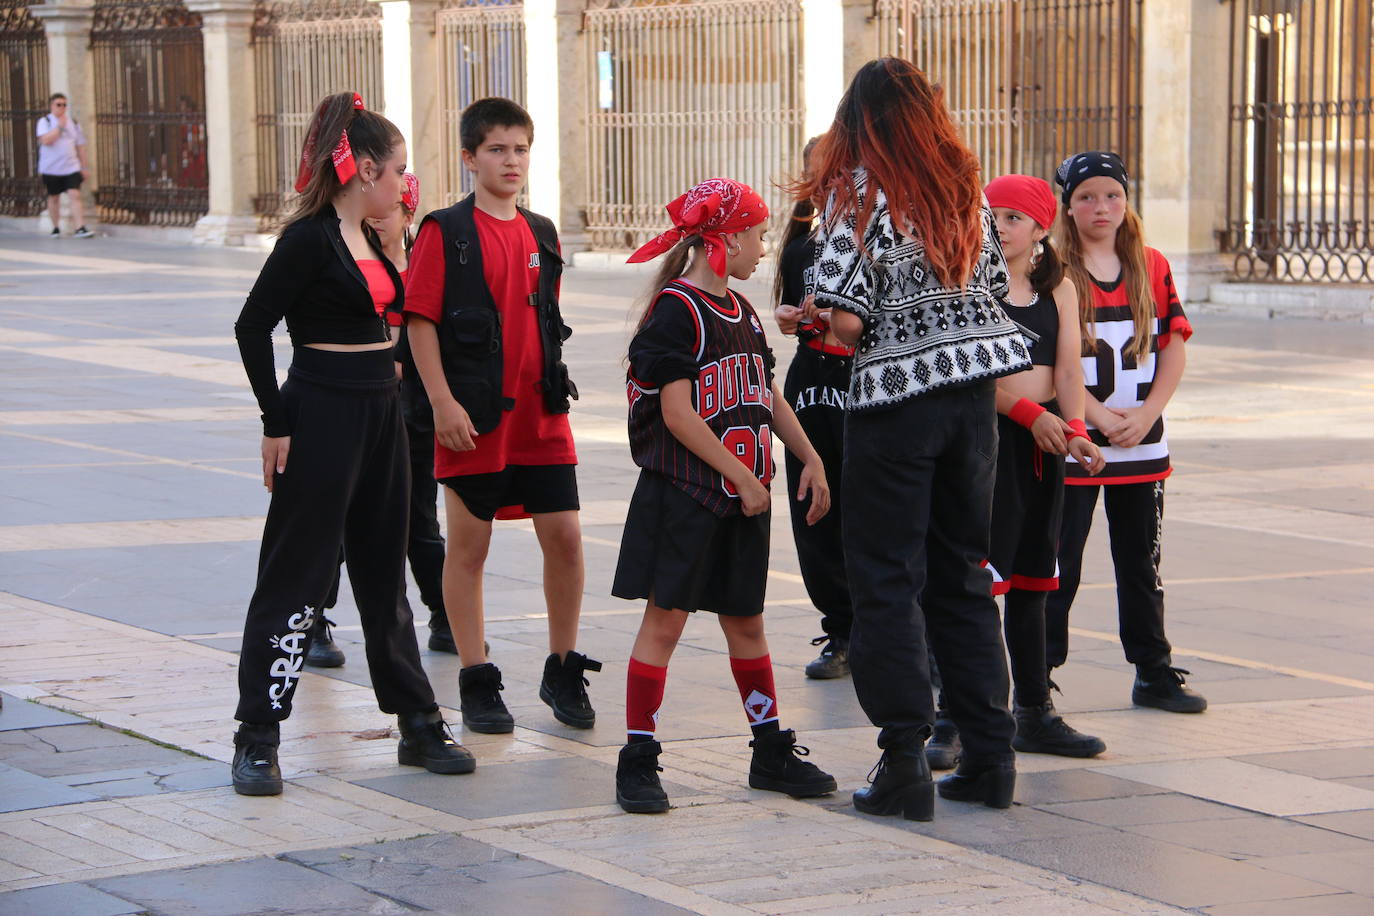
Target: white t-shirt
[59,157]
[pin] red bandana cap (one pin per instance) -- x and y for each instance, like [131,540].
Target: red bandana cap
[1026,194]
[711,209]
[410,197]
[342,155]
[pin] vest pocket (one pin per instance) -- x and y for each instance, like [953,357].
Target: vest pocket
[470,347]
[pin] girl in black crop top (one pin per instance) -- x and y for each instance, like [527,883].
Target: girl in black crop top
[1040,420]
[334,450]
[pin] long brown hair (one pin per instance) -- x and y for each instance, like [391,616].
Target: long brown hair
[799,223]
[892,121]
[1130,248]
[369,134]
[673,265]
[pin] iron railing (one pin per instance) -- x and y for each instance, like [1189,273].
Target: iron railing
[682,92]
[151,150]
[1300,157]
[304,50]
[481,54]
[23,100]
[1029,81]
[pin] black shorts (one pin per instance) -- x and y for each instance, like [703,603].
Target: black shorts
[518,491]
[683,556]
[56,184]
[1027,504]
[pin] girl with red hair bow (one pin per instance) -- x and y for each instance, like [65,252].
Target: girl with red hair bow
[703,405]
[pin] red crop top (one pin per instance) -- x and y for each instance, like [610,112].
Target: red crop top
[378,284]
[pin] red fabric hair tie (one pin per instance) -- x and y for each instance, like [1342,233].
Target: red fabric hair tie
[711,209]
[410,197]
[345,166]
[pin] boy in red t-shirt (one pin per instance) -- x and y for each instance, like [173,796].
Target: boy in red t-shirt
[484,327]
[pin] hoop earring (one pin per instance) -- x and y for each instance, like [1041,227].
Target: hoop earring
[1036,254]
[368,186]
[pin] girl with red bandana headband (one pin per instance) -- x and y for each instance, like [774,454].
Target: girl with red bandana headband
[1039,422]
[703,406]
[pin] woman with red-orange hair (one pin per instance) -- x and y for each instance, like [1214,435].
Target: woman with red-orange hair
[910,268]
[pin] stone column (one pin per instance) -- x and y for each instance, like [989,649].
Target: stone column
[1183,140]
[860,38]
[230,115]
[556,96]
[71,71]
[410,68]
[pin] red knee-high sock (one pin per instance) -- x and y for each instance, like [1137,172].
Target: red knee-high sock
[754,676]
[643,696]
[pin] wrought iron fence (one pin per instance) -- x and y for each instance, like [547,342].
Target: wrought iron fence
[304,50]
[481,54]
[682,92]
[151,151]
[1300,156]
[23,100]
[1029,81]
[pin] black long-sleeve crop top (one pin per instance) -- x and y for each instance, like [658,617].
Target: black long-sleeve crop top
[312,281]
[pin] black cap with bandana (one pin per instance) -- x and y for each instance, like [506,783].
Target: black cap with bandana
[1079,167]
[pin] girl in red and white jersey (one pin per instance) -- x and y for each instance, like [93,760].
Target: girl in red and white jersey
[1133,331]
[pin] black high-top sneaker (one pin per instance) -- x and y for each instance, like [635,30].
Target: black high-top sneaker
[440,635]
[833,661]
[255,769]
[777,766]
[565,689]
[944,747]
[427,742]
[637,787]
[899,784]
[1041,730]
[1161,687]
[323,652]
[479,698]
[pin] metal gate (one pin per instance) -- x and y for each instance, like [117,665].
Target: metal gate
[23,100]
[1029,81]
[682,92]
[1300,157]
[151,155]
[481,54]
[304,50]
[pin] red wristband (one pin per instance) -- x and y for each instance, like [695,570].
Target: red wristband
[1080,430]
[1024,412]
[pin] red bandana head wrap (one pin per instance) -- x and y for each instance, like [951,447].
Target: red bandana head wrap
[710,210]
[410,198]
[342,156]
[1024,193]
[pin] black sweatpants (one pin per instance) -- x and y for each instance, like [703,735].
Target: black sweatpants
[918,480]
[346,484]
[817,387]
[1135,520]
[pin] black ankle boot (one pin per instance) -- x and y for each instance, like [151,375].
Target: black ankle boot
[479,697]
[427,742]
[255,770]
[833,661]
[565,689]
[440,635]
[637,787]
[944,747]
[1161,687]
[323,652]
[1041,730]
[899,784]
[991,783]
[777,766]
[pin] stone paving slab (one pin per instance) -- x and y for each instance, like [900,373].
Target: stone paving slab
[18,714]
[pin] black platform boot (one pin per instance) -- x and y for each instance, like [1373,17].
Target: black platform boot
[900,784]
[479,698]
[255,770]
[637,787]
[427,742]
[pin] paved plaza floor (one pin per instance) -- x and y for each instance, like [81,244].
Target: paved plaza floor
[130,511]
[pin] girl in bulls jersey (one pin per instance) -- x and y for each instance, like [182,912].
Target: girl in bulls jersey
[703,406]
[1133,330]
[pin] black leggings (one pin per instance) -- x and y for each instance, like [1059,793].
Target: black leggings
[346,485]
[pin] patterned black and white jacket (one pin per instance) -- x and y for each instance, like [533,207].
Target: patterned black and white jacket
[918,335]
